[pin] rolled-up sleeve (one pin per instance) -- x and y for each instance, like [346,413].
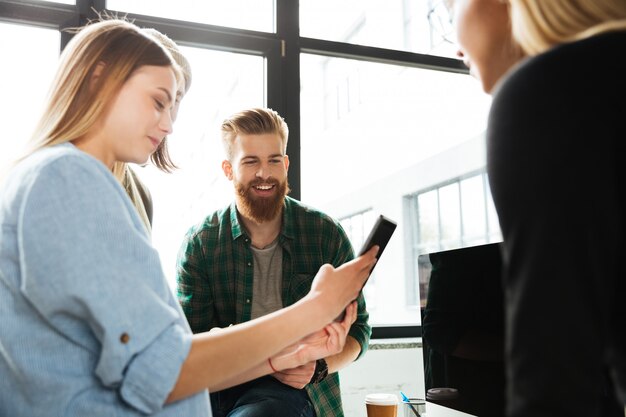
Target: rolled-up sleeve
[148,380]
[88,267]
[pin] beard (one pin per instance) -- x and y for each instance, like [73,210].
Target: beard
[261,209]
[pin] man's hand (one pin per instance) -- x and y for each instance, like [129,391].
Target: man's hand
[321,344]
[296,377]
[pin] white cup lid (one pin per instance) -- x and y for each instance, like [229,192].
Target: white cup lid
[381,399]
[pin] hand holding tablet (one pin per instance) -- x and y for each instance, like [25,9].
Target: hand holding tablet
[379,236]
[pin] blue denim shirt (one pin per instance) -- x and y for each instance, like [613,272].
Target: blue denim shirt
[88,324]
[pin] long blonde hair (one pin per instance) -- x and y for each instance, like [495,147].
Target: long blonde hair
[161,159]
[77,100]
[538,25]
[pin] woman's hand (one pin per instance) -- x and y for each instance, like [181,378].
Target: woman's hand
[326,342]
[335,288]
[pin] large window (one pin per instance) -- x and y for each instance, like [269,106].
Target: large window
[24,82]
[422,26]
[378,108]
[373,133]
[242,14]
[455,214]
[357,227]
[222,84]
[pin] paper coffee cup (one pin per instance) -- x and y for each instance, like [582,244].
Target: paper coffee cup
[381,405]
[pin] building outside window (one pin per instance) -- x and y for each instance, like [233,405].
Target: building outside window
[358,226]
[455,214]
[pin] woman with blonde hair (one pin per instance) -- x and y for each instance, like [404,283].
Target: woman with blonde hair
[556,158]
[137,191]
[89,326]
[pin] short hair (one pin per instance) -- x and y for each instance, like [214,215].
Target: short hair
[538,25]
[255,121]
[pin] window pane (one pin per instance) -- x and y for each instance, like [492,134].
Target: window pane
[495,235]
[357,228]
[373,134]
[223,83]
[400,116]
[241,14]
[428,207]
[422,26]
[24,89]
[450,214]
[474,215]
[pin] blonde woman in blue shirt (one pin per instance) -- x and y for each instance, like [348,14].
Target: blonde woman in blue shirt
[89,326]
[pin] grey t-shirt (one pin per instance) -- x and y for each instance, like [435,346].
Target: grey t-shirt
[268,272]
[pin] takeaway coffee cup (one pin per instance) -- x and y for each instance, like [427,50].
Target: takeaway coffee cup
[381,405]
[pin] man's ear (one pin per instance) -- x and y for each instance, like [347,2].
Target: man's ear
[286,162]
[227,167]
[97,72]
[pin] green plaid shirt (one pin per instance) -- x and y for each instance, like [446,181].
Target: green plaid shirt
[215,273]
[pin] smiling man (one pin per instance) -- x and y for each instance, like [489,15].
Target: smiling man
[258,255]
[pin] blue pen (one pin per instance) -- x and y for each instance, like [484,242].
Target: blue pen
[408,402]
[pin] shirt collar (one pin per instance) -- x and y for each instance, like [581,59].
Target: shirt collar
[287,229]
[235,226]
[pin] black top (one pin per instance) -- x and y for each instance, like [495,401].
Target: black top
[556,160]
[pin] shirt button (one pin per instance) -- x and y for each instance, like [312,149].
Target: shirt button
[247,301]
[124,338]
[249,263]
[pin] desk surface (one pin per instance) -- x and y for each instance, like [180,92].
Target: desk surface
[436,410]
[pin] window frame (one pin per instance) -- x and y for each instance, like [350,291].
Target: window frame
[281,50]
[414,247]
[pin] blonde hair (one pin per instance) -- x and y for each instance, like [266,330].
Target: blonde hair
[131,184]
[254,121]
[172,48]
[538,25]
[77,101]
[161,157]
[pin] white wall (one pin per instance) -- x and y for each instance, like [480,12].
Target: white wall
[388,367]
[386,197]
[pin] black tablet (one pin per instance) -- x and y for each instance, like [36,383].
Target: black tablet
[379,236]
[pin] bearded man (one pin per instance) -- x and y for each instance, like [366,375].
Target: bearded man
[261,254]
